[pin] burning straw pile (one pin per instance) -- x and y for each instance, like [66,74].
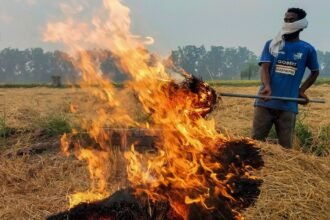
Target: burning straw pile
[295,185]
[193,170]
[194,175]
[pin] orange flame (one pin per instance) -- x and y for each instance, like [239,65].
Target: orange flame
[186,141]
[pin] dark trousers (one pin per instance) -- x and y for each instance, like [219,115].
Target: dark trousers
[284,122]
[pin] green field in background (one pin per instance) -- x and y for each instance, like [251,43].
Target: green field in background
[237,83]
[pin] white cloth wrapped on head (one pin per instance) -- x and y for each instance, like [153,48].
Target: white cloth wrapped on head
[278,43]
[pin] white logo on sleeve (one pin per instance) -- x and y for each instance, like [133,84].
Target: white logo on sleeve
[297,56]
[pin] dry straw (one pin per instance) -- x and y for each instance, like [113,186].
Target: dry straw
[295,185]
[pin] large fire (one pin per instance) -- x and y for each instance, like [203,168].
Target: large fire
[186,170]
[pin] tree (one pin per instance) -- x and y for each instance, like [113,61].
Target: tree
[250,71]
[218,63]
[324,61]
[214,62]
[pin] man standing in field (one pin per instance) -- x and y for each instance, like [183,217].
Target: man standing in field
[283,63]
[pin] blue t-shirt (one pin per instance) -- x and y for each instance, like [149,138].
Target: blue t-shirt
[286,72]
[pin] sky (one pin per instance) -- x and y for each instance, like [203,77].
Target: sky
[172,23]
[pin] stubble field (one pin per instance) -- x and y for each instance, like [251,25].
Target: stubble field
[23,107]
[296,185]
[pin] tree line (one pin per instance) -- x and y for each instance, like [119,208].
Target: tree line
[218,63]
[228,63]
[38,66]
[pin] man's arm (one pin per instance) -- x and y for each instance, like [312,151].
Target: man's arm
[265,79]
[306,84]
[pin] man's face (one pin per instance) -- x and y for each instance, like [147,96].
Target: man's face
[290,17]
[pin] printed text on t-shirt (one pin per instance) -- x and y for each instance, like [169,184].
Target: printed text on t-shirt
[286,67]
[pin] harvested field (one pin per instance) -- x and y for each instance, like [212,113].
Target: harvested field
[23,107]
[296,185]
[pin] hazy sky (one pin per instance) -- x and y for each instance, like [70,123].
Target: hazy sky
[173,23]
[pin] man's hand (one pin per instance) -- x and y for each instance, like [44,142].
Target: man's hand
[265,79]
[304,96]
[266,91]
[308,82]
